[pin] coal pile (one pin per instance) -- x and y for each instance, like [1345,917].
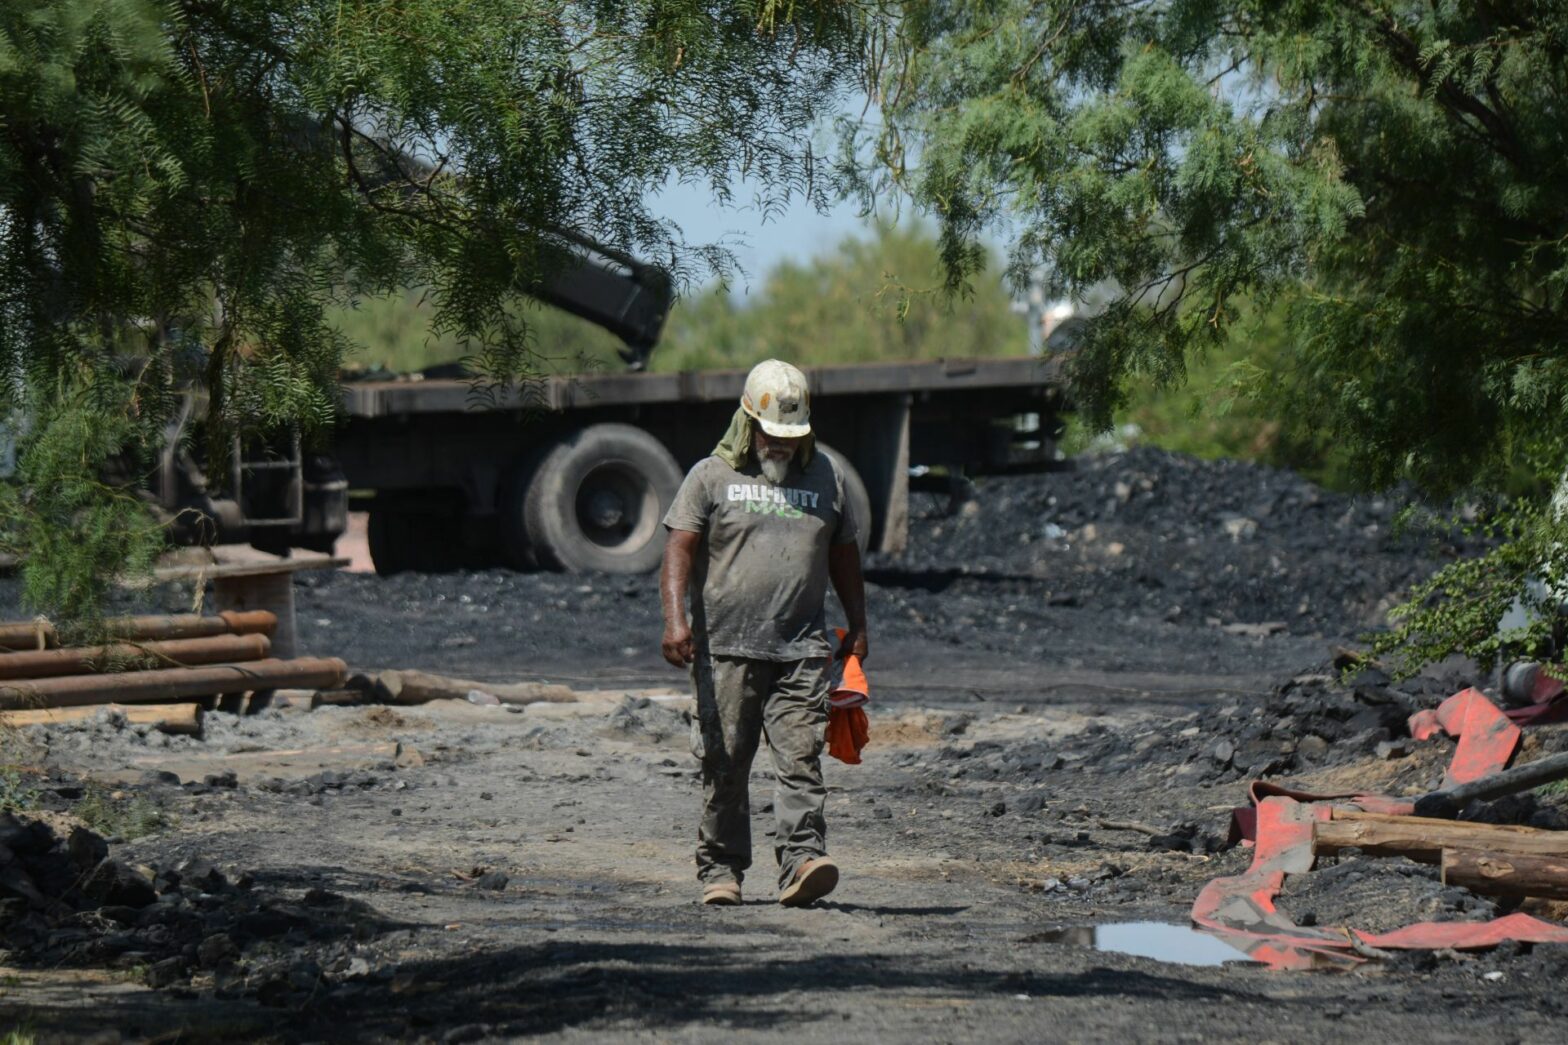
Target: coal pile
[1143,561]
[1308,722]
[1172,537]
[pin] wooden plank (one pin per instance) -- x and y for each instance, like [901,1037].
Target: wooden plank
[247,567]
[1424,839]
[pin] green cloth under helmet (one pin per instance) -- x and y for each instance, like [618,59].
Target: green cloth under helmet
[735,448]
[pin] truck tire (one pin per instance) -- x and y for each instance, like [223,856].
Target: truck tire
[596,500]
[855,496]
[412,541]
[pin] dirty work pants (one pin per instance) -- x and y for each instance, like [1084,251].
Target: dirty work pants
[739,701]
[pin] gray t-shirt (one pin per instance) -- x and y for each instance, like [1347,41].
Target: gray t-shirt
[762,572]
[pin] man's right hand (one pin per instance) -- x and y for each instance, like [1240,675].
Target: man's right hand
[679,649]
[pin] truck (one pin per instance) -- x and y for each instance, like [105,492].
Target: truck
[575,472]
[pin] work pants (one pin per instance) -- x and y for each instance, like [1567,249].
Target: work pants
[740,700]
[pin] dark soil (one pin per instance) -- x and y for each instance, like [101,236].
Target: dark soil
[1064,713]
[1124,563]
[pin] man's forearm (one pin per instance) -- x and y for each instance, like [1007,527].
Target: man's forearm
[674,577]
[674,581]
[848,583]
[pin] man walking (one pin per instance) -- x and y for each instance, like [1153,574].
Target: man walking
[755,534]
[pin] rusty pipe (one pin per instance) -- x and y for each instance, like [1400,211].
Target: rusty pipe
[35,635]
[27,635]
[119,657]
[173,684]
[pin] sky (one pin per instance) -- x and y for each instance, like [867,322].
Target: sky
[797,234]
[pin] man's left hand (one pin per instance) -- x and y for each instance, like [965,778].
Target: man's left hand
[854,642]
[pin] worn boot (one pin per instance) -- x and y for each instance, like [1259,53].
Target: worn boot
[721,894]
[815,879]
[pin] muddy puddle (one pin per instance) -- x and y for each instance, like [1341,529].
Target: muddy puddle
[1161,941]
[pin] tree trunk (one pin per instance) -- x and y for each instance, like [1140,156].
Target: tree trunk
[418,687]
[1506,874]
[1424,839]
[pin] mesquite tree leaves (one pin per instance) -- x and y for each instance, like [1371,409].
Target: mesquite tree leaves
[186,186]
[1394,175]
[1391,177]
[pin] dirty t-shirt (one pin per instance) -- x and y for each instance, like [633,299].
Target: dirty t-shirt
[762,571]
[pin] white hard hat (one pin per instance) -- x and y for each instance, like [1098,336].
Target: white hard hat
[777,398]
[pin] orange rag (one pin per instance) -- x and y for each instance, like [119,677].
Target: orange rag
[848,729]
[847,734]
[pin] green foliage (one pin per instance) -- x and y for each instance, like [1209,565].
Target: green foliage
[1555,790]
[78,531]
[1391,176]
[1228,406]
[17,793]
[872,297]
[124,818]
[1390,179]
[186,186]
[394,332]
[1458,609]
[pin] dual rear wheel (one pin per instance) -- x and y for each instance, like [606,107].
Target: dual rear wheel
[593,502]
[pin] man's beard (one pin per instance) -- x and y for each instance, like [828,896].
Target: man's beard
[776,469]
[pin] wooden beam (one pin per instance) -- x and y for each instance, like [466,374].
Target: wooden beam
[419,687]
[169,718]
[1424,839]
[1506,874]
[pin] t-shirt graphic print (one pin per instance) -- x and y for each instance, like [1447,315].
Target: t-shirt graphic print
[761,574]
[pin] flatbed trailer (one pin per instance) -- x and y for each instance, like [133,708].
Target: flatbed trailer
[575,472]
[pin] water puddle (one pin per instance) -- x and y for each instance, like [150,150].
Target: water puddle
[1158,940]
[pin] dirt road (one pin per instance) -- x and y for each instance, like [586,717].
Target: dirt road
[462,873]
[941,930]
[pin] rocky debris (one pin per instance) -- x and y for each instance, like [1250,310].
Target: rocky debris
[70,902]
[107,738]
[1378,895]
[333,782]
[1308,722]
[495,881]
[43,877]
[113,884]
[651,720]
[1026,568]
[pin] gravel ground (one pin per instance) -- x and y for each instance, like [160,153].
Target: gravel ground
[1065,655]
